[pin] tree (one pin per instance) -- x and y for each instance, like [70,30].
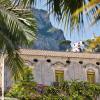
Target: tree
[17,28]
[91,5]
[93,44]
[67,90]
[71,11]
[65,44]
[24,88]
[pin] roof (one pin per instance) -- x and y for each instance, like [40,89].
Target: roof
[59,54]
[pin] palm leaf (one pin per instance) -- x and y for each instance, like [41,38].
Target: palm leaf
[71,12]
[94,6]
[24,3]
[15,31]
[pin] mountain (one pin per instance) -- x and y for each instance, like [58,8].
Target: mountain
[48,37]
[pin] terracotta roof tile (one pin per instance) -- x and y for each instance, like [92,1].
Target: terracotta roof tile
[59,54]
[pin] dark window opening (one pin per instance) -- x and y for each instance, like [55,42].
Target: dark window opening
[68,62]
[48,60]
[35,60]
[97,63]
[81,62]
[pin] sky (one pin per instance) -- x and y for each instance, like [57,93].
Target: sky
[75,35]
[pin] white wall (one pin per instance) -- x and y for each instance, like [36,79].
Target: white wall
[44,72]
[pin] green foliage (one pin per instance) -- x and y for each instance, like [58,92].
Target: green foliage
[22,90]
[73,90]
[65,42]
[52,91]
[93,45]
[71,13]
[67,90]
[80,90]
[17,28]
[24,87]
[52,97]
[27,75]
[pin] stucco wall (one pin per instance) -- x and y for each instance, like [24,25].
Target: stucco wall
[44,72]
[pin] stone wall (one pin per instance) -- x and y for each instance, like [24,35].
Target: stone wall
[44,64]
[44,72]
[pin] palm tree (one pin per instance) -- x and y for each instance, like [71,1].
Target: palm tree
[71,12]
[92,5]
[17,28]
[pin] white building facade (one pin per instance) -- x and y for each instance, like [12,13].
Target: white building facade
[51,66]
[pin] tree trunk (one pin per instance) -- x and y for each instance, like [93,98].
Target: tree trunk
[2,76]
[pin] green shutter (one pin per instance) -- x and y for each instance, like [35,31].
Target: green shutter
[59,75]
[91,77]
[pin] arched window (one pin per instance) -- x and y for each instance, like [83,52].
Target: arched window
[91,76]
[59,75]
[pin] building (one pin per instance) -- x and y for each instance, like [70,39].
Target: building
[51,66]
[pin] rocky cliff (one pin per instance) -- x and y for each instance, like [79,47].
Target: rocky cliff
[48,37]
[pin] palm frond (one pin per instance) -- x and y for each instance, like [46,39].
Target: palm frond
[92,6]
[5,3]
[24,3]
[88,6]
[15,64]
[64,9]
[15,31]
[72,12]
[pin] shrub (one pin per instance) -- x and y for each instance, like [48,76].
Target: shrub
[22,90]
[26,89]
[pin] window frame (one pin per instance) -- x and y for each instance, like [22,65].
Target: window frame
[91,76]
[59,73]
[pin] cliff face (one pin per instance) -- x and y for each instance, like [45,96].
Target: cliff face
[48,37]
